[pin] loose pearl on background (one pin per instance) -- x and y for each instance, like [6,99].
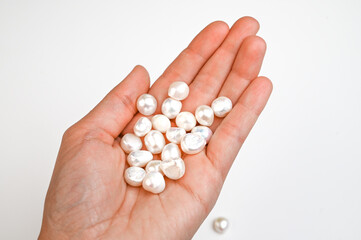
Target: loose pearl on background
[221,106]
[154,182]
[204,115]
[142,126]
[186,120]
[173,169]
[154,166]
[139,158]
[220,224]
[170,152]
[204,131]
[171,107]
[154,141]
[134,176]
[130,143]
[192,143]
[146,104]
[175,134]
[178,90]
[161,123]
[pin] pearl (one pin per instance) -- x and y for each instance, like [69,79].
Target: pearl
[175,134]
[161,123]
[220,224]
[170,152]
[142,126]
[154,182]
[173,169]
[178,90]
[171,107]
[192,143]
[204,131]
[204,115]
[186,120]
[139,158]
[134,176]
[154,141]
[146,104]
[221,106]
[154,166]
[130,143]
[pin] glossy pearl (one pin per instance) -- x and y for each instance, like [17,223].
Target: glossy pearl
[130,143]
[186,120]
[204,115]
[142,126]
[146,104]
[154,182]
[204,131]
[161,123]
[139,158]
[154,166]
[154,141]
[175,134]
[220,224]
[173,169]
[134,176]
[178,90]
[170,152]
[221,106]
[192,143]
[171,107]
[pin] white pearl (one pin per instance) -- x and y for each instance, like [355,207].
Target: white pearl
[220,224]
[178,90]
[173,169]
[134,176]
[171,107]
[154,166]
[192,143]
[130,143]
[139,158]
[142,126]
[204,131]
[186,120]
[161,123]
[221,106]
[170,152]
[154,182]
[175,134]
[204,115]
[146,104]
[154,141]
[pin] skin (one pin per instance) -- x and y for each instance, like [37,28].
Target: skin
[88,197]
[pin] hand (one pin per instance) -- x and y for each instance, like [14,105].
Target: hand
[87,196]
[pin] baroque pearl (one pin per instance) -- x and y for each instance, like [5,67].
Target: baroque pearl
[173,169]
[146,104]
[139,158]
[130,143]
[186,120]
[154,182]
[178,90]
[170,152]
[221,106]
[171,107]
[175,134]
[154,141]
[154,166]
[161,123]
[220,224]
[192,143]
[142,126]
[204,115]
[204,131]
[134,176]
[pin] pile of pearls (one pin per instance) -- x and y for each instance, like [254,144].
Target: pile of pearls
[160,137]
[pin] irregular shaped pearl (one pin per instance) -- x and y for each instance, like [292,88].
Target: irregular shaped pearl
[204,115]
[161,123]
[130,143]
[154,182]
[173,169]
[146,104]
[171,107]
[175,134]
[142,126]
[186,120]
[192,143]
[204,131]
[134,176]
[221,106]
[220,224]
[154,141]
[178,90]
[170,152]
[139,158]
[154,166]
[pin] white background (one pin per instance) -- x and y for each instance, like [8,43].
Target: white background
[298,174]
